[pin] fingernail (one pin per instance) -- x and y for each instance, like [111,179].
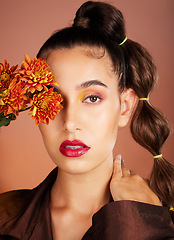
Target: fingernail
[119,157]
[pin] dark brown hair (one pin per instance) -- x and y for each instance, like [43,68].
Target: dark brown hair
[99,24]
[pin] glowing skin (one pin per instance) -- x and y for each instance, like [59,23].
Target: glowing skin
[91,112]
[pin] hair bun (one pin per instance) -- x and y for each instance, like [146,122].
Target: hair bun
[81,22]
[101,17]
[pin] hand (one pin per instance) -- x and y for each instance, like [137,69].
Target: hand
[127,185]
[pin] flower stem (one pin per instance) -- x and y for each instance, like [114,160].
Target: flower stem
[22,110]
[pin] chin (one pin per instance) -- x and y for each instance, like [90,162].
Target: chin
[75,166]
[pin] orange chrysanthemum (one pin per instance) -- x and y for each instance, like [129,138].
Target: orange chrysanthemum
[6,74]
[13,98]
[21,87]
[37,74]
[45,105]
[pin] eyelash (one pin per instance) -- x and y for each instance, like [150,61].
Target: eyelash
[92,96]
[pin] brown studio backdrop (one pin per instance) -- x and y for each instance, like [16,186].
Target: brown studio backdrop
[25,25]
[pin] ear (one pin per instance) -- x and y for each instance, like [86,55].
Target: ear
[128,103]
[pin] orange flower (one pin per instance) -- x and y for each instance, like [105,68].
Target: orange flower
[6,74]
[21,87]
[45,105]
[13,98]
[37,74]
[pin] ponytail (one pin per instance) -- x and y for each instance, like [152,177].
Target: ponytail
[148,126]
[150,129]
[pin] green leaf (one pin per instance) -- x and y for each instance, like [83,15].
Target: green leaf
[5,121]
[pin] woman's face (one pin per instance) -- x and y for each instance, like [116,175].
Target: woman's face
[91,113]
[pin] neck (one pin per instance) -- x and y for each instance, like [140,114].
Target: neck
[86,192]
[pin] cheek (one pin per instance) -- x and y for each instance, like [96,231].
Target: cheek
[49,136]
[45,136]
[47,132]
[43,130]
[111,126]
[105,125]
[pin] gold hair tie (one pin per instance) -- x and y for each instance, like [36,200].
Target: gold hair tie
[157,156]
[171,209]
[142,99]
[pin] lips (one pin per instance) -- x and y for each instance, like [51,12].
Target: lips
[75,148]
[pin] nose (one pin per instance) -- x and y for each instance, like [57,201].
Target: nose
[71,118]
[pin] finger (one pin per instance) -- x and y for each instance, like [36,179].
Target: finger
[117,169]
[132,172]
[125,172]
[147,181]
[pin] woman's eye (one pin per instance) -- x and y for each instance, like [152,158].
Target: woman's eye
[92,99]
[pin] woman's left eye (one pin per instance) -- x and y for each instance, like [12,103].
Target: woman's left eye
[92,99]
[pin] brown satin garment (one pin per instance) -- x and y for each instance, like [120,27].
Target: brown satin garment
[25,214]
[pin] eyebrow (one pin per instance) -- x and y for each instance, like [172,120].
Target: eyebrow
[91,83]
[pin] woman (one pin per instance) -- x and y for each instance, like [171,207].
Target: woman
[104,78]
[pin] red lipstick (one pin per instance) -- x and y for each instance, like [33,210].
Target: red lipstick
[75,148]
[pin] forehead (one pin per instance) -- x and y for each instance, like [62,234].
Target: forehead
[92,59]
[78,68]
